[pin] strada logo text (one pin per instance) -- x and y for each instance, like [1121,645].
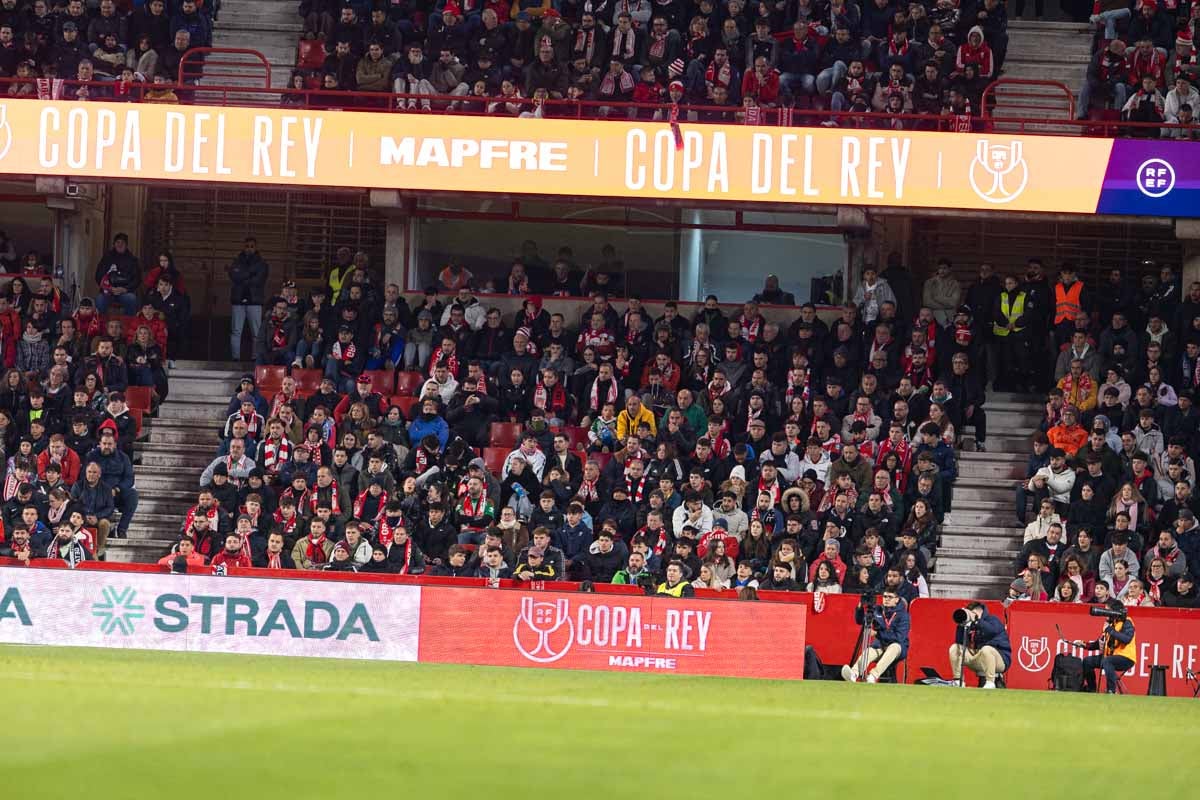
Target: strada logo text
[546,631]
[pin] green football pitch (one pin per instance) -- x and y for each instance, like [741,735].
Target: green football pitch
[125,724]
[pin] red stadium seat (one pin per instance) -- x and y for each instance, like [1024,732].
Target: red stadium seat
[409,383]
[137,413]
[577,435]
[269,377]
[382,381]
[405,402]
[493,458]
[307,380]
[782,597]
[138,397]
[310,54]
[505,434]
[617,588]
[600,458]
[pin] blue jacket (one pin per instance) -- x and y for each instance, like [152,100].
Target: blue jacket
[890,628]
[419,428]
[116,470]
[98,500]
[943,456]
[987,632]
[573,541]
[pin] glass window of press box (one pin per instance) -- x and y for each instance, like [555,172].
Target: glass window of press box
[660,253]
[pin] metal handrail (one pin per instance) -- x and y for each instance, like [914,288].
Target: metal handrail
[989,93]
[202,54]
[454,105]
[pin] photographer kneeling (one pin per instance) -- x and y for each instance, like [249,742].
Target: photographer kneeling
[980,645]
[1116,644]
[889,639]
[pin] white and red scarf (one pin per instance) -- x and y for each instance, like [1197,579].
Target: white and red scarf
[276,453]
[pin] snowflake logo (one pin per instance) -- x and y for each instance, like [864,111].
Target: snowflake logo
[118,611]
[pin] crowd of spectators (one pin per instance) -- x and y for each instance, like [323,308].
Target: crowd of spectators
[113,51]
[731,59]
[1111,475]
[450,438]
[67,429]
[1144,66]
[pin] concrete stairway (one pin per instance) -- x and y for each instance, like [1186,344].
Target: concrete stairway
[1044,51]
[271,27]
[179,443]
[980,537]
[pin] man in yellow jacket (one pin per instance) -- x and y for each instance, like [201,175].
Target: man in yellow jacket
[634,414]
[1118,647]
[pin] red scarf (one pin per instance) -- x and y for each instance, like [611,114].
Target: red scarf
[609,397]
[904,452]
[635,490]
[1069,388]
[343,352]
[360,503]
[774,488]
[750,328]
[278,334]
[555,402]
[387,529]
[609,86]
[407,552]
[658,45]
[276,453]
[314,549]
[286,526]
[587,490]
[315,497]
[273,561]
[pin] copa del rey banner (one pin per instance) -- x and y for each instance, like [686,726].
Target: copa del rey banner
[614,633]
[598,159]
[330,619]
[1167,637]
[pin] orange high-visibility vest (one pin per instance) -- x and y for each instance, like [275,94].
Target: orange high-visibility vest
[1067,302]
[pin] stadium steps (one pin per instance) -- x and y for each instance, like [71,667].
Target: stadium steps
[178,443]
[1043,51]
[272,27]
[980,537]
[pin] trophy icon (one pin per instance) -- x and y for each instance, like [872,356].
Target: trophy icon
[1006,167]
[535,628]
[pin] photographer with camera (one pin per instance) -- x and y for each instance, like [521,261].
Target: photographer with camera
[1117,644]
[980,644]
[887,639]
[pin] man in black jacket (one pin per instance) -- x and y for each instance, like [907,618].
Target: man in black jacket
[247,285]
[981,645]
[605,561]
[117,275]
[967,390]
[434,535]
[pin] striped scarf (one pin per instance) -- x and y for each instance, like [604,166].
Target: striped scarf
[276,453]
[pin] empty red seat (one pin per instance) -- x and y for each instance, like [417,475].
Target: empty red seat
[269,377]
[578,436]
[138,397]
[382,381]
[405,402]
[493,458]
[505,434]
[409,383]
[600,458]
[307,380]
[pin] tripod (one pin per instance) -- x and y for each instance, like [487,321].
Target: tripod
[1191,676]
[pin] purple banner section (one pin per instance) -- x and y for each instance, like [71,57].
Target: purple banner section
[1149,177]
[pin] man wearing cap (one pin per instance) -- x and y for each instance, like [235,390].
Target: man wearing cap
[1119,551]
[535,567]
[117,275]
[234,554]
[1182,594]
[276,338]
[1055,480]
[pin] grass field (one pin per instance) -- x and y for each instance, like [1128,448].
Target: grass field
[126,724]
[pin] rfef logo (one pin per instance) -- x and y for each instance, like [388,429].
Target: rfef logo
[1155,177]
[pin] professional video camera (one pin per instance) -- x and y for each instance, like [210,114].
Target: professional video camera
[868,602]
[1107,613]
[963,617]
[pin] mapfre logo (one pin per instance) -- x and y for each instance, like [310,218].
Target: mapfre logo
[543,631]
[998,173]
[1034,654]
[6,136]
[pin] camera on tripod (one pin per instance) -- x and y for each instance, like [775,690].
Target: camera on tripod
[868,602]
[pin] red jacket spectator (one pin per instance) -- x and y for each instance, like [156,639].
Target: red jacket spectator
[69,464]
[975,51]
[1147,62]
[762,85]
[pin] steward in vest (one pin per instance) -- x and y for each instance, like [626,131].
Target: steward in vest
[1069,299]
[676,586]
[1118,647]
[1010,329]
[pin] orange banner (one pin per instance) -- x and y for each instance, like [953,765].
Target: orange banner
[613,633]
[638,160]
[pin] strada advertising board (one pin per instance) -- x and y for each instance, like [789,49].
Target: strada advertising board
[202,613]
[614,633]
[600,159]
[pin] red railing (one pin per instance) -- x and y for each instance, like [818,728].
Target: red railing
[386,102]
[990,100]
[214,62]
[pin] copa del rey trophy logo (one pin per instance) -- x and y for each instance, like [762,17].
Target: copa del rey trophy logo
[6,137]
[1034,654]
[543,631]
[998,172]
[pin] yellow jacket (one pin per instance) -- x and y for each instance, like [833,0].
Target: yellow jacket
[627,425]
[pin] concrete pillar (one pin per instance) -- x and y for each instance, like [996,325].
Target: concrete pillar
[1188,232]
[397,240]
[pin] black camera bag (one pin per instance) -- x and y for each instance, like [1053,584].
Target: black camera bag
[1067,673]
